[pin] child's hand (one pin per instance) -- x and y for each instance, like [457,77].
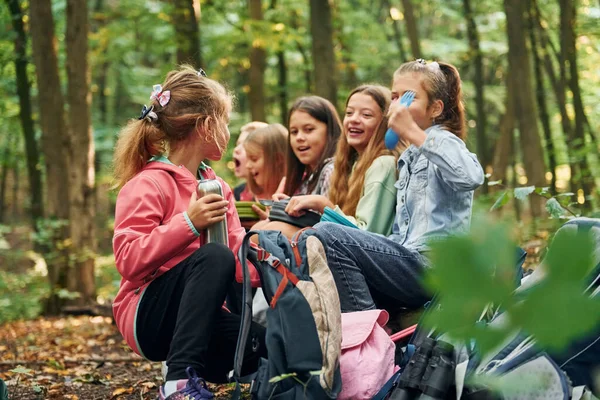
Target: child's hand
[262,214]
[280,196]
[207,210]
[298,205]
[402,122]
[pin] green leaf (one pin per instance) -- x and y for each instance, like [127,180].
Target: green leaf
[22,370]
[522,192]
[316,373]
[554,208]
[281,377]
[542,190]
[468,273]
[501,201]
[561,296]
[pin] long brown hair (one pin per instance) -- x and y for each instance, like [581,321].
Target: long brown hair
[271,140]
[346,183]
[442,82]
[196,101]
[322,110]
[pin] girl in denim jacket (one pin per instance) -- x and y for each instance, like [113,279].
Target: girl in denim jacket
[437,177]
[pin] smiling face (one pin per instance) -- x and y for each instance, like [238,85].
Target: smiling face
[308,137]
[361,120]
[421,110]
[255,164]
[239,156]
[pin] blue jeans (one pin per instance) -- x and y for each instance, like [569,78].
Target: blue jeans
[372,271]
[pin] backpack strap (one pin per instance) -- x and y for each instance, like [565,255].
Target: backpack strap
[245,252]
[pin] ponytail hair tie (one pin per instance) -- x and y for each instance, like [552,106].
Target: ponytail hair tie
[148,112]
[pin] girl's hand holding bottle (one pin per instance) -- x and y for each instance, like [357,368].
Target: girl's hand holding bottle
[401,121]
[207,210]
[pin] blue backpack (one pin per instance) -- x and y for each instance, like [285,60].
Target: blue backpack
[304,332]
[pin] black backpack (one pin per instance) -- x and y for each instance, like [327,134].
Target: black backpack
[304,332]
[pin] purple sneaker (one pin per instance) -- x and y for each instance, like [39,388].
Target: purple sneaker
[194,388]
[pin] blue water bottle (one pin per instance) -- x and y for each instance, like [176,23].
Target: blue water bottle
[391,138]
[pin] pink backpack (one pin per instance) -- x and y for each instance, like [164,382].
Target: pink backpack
[367,360]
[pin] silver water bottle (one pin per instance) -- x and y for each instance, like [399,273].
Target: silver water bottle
[216,233]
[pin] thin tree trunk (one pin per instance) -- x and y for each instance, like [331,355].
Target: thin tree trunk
[258,63]
[103,68]
[55,142]
[503,146]
[82,178]
[323,56]
[5,166]
[23,90]
[541,101]
[397,32]
[304,54]
[569,58]
[518,60]
[282,80]
[411,28]
[187,33]
[15,191]
[477,57]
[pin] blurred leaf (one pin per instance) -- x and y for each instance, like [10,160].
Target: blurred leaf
[521,193]
[468,273]
[554,208]
[22,370]
[501,201]
[494,183]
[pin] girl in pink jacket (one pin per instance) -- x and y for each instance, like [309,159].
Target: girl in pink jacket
[169,305]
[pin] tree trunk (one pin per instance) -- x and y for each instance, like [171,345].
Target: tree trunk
[541,100]
[187,33]
[258,63]
[15,191]
[324,65]
[4,167]
[23,91]
[569,58]
[477,57]
[503,147]
[385,5]
[282,80]
[82,180]
[411,28]
[103,68]
[55,142]
[524,104]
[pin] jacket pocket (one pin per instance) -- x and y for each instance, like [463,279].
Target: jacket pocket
[419,174]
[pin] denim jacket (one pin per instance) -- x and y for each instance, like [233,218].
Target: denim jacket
[435,189]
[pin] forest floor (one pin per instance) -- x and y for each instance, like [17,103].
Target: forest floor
[76,358]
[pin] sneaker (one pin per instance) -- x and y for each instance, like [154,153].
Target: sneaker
[193,388]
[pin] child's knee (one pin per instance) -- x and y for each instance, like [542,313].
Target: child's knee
[216,254]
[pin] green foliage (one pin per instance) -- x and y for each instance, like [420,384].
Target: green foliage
[474,272]
[21,295]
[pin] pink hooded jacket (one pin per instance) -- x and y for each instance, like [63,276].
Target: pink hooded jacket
[152,234]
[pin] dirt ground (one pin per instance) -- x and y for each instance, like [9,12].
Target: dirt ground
[76,358]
